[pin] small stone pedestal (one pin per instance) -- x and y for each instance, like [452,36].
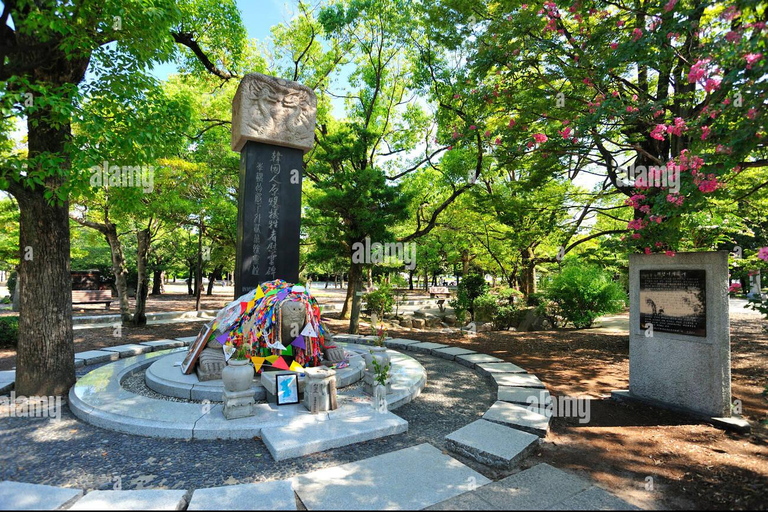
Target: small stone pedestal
[320,390]
[238,404]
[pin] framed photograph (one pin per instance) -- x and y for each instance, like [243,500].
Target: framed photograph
[287,389]
[196,348]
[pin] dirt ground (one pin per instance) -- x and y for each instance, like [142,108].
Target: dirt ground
[650,457]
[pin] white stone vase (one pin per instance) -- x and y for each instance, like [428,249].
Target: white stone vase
[237,375]
[379,397]
[381,356]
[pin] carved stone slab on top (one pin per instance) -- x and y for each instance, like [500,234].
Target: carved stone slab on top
[273,111]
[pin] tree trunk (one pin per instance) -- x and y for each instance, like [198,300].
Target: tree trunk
[199,269]
[528,273]
[191,279]
[120,271]
[142,285]
[45,358]
[347,301]
[157,282]
[216,274]
[410,279]
[355,288]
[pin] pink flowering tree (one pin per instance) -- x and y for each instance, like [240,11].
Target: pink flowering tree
[662,101]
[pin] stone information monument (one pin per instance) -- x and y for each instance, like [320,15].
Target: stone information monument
[273,125]
[679,337]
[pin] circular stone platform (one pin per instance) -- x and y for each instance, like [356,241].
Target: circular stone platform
[164,376]
[100,399]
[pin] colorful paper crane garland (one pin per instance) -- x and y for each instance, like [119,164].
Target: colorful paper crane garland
[252,322]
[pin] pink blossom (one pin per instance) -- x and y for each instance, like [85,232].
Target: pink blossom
[735,287]
[620,23]
[487,133]
[456,96]
[670,5]
[636,236]
[675,199]
[497,141]
[751,58]
[670,253]
[698,70]
[712,84]
[733,36]
[708,186]
[511,122]
[631,109]
[540,138]
[705,131]
[648,250]
[472,127]
[752,113]
[636,35]
[763,253]
[678,128]
[614,46]
[565,132]
[658,132]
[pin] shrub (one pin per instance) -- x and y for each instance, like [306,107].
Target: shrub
[468,290]
[486,307]
[11,284]
[9,331]
[506,316]
[583,293]
[380,301]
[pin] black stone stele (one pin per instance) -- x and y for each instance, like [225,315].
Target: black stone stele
[269,215]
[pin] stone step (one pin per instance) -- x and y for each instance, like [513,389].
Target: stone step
[536,397]
[489,369]
[90,357]
[409,479]
[426,347]
[163,344]
[400,343]
[144,499]
[450,353]
[296,440]
[472,360]
[516,380]
[519,417]
[24,496]
[274,495]
[492,444]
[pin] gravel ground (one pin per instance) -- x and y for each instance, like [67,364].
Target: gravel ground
[71,453]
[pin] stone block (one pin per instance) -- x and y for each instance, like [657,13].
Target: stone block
[24,496]
[274,495]
[273,111]
[593,498]
[488,369]
[450,353]
[492,444]
[472,360]
[520,380]
[144,499]
[426,347]
[519,417]
[129,350]
[90,357]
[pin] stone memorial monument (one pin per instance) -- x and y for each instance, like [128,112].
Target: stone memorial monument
[273,125]
[679,336]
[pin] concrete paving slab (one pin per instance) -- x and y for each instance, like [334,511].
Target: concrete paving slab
[519,417]
[594,498]
[129,349]
[524,396]
[97,356]
[488,369]
[466,501]
[25,496]
[274,495]
[472,360]
[394,481]
[492,444]
[450,353]
[289,442]
[163,344]
[187,340]
[516,380]
[144,499]
[426,347]
[539,487]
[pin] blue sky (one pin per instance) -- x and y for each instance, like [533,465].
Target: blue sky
[258,16]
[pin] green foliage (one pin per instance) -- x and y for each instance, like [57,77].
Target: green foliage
[583,293]
[469,289]
[9,331]
[381,300]
[13,278]
[506,316]
[381,373]
[486,307]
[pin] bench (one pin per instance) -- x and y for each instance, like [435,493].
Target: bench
[92,297]
[439,291]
